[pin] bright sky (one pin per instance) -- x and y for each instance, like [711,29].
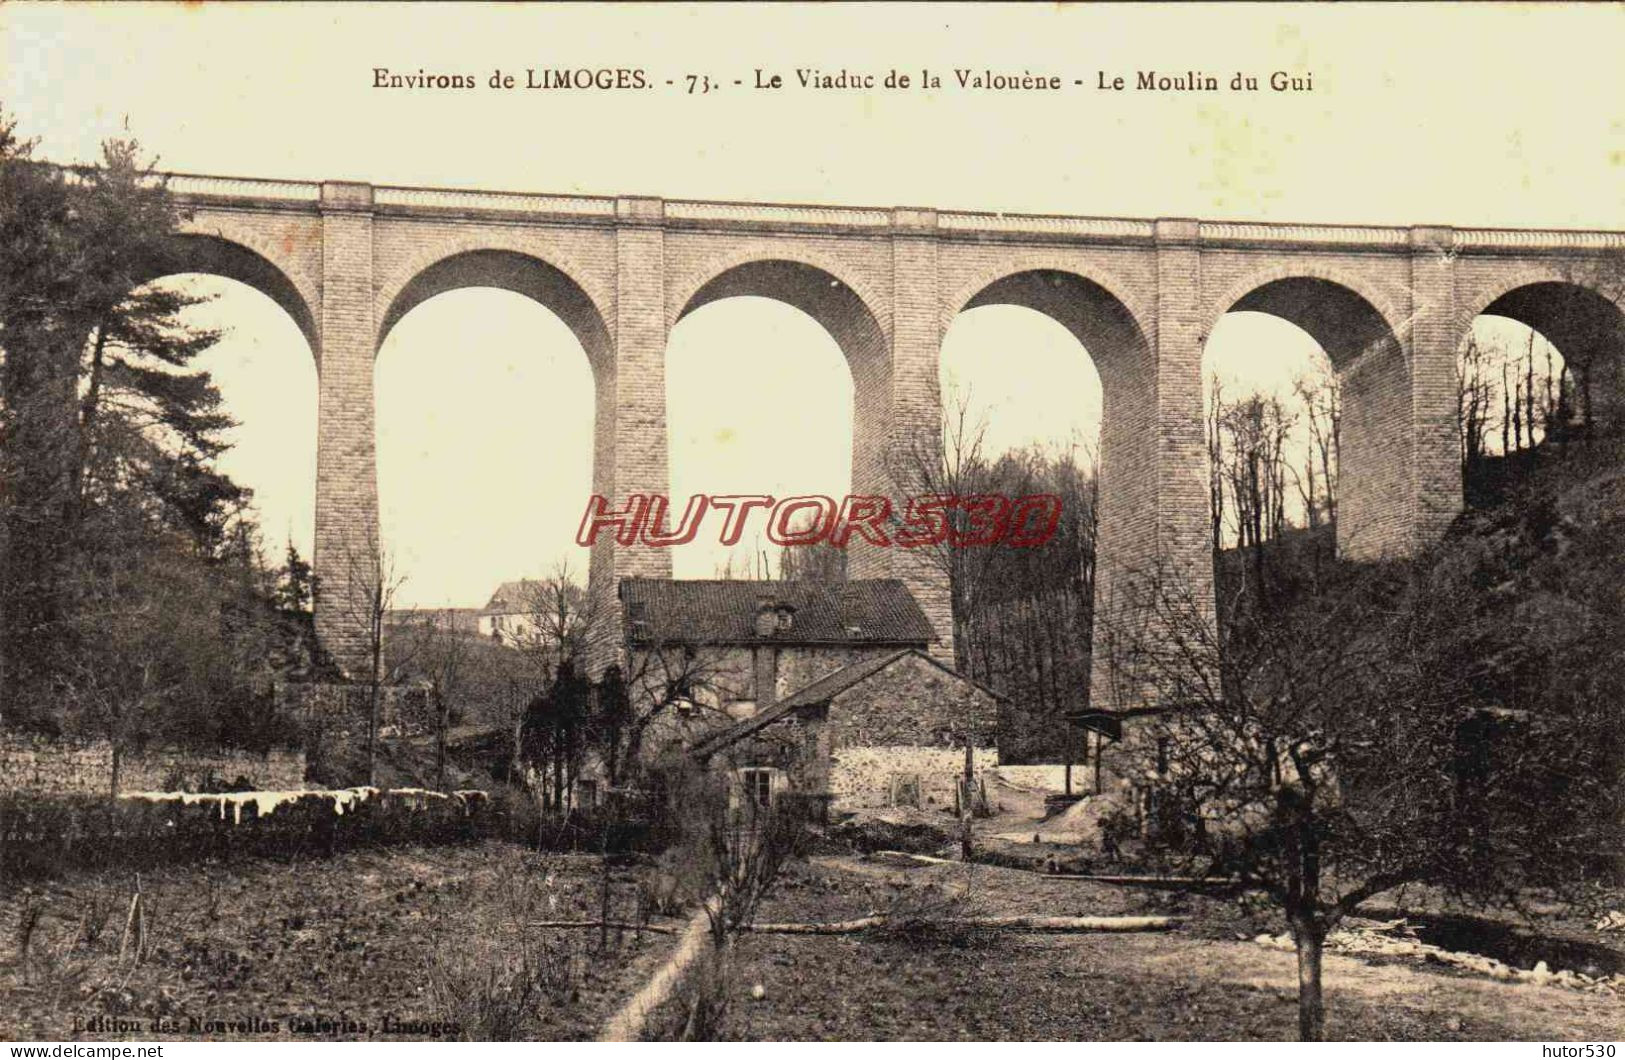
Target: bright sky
[1474,116]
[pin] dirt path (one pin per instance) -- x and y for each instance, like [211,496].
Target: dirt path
[627,1025]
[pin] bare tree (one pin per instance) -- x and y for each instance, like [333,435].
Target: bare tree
[667,684]
[1329,748]
[555,620]
[953,465]
[1473,403]
[819,562]
[443,654]
[1321,394]
[370,589]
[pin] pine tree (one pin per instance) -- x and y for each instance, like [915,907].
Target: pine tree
[108,433]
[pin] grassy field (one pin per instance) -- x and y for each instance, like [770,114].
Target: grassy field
[1201,983]
[445,943]
[400,943]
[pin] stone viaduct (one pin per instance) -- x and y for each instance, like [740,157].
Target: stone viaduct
[1390,306]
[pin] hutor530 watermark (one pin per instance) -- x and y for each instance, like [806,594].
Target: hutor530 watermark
[958,521]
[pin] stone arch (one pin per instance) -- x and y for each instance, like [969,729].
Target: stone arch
[213,255]
[1360,333]
[550,287]
[850,320]
[1109,330]
[1573,313]
[681,295]
[1102,321]
[1275,289]
[509,270]
[410,255]
[1475,301]
[1116,285]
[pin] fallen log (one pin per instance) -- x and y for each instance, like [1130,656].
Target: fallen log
[1058,924]
[904,857]
[1145,881]
[624,925]
[899,857]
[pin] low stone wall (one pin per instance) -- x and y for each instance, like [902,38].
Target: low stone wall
[337,708]
[871,777]
[1042,778]
[34,766]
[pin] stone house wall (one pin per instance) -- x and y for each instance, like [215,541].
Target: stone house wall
[897,736]
[904,727]
[730,673]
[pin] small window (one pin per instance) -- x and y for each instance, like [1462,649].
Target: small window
[757,785]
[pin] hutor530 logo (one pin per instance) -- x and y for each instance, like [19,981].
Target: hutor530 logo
[965,521]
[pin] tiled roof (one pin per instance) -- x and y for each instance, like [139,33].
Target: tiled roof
[875,611]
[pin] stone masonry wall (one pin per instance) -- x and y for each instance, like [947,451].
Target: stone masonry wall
[32,766]
[868,777]
[347,540]
[905,725]
[912,702]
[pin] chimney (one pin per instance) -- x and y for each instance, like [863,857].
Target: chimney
[767,619]
[846,607]
[765,658]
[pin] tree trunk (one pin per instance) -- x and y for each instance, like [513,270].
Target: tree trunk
[1311,1009]
[440,742]
[965,798]
[1068,758]
[89,407]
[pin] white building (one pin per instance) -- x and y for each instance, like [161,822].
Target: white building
[509,617]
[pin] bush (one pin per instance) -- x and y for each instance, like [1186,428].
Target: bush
[867,835]
[629,823]
[43,836]
[490,991]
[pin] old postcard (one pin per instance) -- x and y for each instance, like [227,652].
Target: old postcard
[811,522]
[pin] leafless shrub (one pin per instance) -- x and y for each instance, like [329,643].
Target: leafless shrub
[709,1003]
[492,985]
[932,915]
[28,918]
[490,988]
[746,847]
[97,912]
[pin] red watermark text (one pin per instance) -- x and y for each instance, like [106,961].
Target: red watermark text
[966,521]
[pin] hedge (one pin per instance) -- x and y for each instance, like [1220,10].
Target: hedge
[44,835]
